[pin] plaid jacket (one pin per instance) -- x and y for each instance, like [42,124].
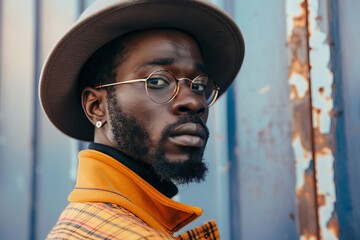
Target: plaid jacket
[112,202]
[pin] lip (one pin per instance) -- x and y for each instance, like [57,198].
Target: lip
[189,135]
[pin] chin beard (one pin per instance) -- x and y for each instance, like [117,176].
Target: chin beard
[133,139]
[184,171]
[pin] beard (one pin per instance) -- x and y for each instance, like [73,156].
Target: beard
[134,140]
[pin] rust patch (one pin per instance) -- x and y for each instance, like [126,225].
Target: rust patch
[333,225]
[299,78]
[300,96]
[322,108]
[307,206]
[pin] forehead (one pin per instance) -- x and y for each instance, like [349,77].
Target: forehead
[166,46]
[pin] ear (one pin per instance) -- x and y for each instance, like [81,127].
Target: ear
[94,103]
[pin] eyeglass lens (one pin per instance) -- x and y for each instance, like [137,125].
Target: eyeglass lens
[162,86]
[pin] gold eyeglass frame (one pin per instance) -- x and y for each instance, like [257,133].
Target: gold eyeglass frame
[176,91]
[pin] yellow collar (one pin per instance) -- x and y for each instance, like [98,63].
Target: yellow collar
[102,178]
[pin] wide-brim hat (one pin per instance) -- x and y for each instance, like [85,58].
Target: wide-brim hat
[219,38]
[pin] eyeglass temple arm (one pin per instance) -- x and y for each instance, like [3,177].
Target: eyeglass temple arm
[119,83]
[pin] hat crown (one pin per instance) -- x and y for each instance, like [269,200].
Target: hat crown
[218,36]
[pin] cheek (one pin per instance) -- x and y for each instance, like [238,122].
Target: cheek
[151,116]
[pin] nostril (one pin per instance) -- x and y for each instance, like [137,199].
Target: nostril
[201,111]
[183,109]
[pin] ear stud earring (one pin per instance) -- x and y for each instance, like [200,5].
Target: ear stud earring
[98,124]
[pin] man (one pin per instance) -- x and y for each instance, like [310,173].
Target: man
[137,78]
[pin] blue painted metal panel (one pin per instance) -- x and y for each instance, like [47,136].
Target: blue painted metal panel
[234,158]
[346,58]
[57,153]
[35,122]
[343,205]
[16,117]
[266,166]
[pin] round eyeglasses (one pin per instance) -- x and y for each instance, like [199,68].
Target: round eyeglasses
[162,86]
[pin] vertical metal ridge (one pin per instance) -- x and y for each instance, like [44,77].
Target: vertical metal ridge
[344,206]
[234,186]
[35,123]
[81,7]
[233,170]
[312,137]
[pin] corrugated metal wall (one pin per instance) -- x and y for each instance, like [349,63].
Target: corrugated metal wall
[280,138]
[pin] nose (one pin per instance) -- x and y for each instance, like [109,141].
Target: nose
[188,102]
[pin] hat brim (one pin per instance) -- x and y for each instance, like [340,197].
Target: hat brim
[219,38]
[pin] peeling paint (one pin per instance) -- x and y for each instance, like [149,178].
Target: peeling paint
[308,45]
[322,105]
[333,225]
[306,205]
[265,89]
[299,82]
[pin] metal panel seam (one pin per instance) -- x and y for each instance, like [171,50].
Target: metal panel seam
[312,137]
[81,7]
[233,171]
[35,123]
[232,153]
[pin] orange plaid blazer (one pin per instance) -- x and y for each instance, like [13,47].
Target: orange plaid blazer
[110,201]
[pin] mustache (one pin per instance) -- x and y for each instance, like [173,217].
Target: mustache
[185,119]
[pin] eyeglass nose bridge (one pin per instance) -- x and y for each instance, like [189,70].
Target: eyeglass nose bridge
[177,89]
[191,82]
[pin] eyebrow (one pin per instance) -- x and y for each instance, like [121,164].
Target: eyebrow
[169,61]
[161,61]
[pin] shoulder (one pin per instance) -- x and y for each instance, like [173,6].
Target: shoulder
[101,221]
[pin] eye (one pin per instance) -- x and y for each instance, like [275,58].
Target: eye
[199,87]
[158,82]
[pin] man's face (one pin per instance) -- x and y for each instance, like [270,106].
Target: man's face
[171,137]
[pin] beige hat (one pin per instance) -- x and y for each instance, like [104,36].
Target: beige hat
[218,36]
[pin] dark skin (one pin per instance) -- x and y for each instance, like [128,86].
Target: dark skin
[148,51]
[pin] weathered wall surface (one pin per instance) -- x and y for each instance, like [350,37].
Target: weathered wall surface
[284,149]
